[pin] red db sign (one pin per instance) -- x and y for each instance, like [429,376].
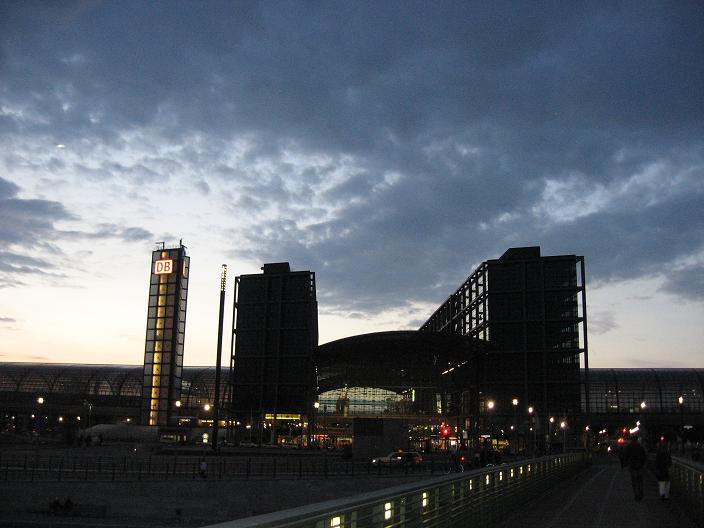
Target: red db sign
[163,266]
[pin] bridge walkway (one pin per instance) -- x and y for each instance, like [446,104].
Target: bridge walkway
[600,497]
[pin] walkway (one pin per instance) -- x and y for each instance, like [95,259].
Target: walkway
[600,497]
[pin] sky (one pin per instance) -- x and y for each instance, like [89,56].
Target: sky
[390,147]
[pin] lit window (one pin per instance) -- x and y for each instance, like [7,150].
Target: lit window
[335,521]
[425,499]
[487,480]
[387,511]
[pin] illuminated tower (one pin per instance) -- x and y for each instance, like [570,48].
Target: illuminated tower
[166,326]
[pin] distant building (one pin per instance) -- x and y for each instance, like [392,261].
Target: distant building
[166,326]
[530,310]
[275,335]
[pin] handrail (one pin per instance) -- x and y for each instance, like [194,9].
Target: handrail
[481,496]
[687,481]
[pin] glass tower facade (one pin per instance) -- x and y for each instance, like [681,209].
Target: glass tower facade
[166,326]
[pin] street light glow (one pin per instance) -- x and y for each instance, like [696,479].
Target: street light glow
[40,400]
[552,420]
[178,403]
[680,400]
[514,401]
[206,407]
[642,405]
[316,405]
[563,425]
[530,410]
[490,404]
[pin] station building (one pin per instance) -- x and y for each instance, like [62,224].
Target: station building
[507,351]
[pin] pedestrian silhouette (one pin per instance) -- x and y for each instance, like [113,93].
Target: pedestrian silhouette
[635,457]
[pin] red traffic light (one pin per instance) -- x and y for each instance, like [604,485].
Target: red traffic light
[445,431]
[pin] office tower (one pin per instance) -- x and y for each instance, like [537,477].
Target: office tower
[275,334]
[529,309]
[166,326]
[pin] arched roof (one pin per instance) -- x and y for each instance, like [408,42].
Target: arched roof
[393,360]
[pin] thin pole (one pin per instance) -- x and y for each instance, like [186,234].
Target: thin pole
[216,396]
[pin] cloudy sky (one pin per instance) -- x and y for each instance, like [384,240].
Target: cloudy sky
[389,147]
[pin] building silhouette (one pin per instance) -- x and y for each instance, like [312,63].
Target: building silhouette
[530,310]
[166,327]
[272,374]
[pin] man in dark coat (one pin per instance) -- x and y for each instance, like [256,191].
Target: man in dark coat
[635,457]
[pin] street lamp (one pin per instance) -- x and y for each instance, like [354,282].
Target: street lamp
[514,427]
[643,405]
[680,402]
[40,400]
[216,396]
[532,428]
[563,426]
[206,407]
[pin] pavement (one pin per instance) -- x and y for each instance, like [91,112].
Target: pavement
[600,497]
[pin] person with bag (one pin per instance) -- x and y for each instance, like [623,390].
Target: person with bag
[663,461]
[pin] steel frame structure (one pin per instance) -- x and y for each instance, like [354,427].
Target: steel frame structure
[531,311]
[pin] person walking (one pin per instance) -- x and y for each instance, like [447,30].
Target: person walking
[635,457]
[663,461]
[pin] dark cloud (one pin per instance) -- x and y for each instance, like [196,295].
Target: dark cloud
[602,322]
[7,320]
[203,187]
[388,146]
[29,236]
[686,282]
[27,226]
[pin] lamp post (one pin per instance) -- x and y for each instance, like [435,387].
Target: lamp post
[216,396]
[490,407]
[514,402]
[563,426]
[680,404]
[40,402]
[532,427]
[314,425]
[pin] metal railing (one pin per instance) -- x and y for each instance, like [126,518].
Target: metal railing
[475,498]
[81,467]
[687,487]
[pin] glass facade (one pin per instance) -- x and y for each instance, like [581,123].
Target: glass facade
[666,391]
[166,326]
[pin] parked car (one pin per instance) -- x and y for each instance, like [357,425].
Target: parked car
[401,458]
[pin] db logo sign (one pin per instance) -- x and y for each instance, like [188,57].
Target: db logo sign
[163,266]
